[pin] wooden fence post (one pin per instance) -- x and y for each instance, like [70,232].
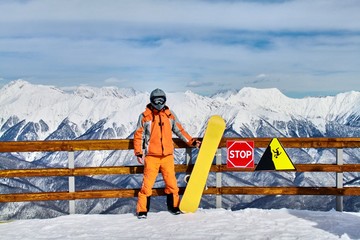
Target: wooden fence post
[339,179]
[71,165]
[218,179]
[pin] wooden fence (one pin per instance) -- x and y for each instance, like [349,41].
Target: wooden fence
[90,145]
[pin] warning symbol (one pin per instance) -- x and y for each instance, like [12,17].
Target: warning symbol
[275,158]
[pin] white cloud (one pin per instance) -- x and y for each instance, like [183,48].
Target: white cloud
[290,15]
[114,80]
[183,44]
[196,84]
[261,75]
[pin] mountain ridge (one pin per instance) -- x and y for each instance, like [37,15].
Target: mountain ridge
[20,100]
[40,112]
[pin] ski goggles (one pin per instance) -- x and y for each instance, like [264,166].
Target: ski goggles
[158,101]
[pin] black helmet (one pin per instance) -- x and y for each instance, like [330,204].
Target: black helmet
[158,99]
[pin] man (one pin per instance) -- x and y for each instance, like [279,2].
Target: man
[154,133]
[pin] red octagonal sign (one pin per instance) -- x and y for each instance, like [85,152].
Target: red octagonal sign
[240,154]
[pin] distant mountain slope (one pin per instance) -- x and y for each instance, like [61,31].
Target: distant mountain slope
[40,112]
[36,112]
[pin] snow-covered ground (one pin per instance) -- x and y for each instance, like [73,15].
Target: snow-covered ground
[204,224]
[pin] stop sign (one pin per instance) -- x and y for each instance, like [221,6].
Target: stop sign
[240,154]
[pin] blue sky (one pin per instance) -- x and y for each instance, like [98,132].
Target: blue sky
[301,47]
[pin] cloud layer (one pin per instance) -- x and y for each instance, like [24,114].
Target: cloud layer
[302,47]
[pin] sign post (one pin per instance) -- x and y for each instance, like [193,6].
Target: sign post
[240,154]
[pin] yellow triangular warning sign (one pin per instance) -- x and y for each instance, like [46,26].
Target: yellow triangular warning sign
[275,158]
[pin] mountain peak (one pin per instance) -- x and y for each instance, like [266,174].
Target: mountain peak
[255,92]
[17,84]
[94,92]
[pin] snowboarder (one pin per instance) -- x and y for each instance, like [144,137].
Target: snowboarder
[154,133]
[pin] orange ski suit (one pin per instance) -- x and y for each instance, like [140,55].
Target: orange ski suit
[153,139]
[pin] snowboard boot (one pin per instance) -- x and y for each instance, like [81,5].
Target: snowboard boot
[142,215]
[170,205]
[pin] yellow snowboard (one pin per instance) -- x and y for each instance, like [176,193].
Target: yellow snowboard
[196,184]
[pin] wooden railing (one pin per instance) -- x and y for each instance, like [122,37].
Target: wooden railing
[89,145]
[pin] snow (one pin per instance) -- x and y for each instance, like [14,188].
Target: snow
[249,112]
[204,224]
[34,103]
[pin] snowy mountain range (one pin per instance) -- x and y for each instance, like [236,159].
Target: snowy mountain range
[39,112]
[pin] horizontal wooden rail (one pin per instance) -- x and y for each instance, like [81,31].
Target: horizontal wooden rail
[91,171]
[63,172]
[302,142]
[129,193]
[89,194]
[126,144]
[66,145]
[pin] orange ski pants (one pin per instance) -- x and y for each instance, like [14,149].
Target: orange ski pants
[151,169]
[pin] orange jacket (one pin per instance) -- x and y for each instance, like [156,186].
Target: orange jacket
[154,132]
